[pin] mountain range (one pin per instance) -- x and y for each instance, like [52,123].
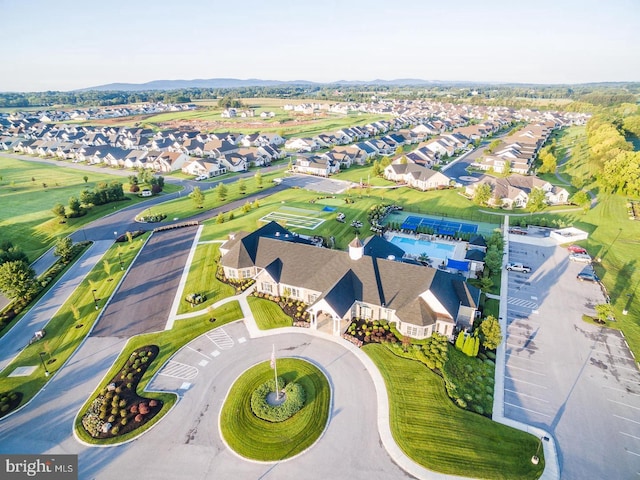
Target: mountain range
[251,82]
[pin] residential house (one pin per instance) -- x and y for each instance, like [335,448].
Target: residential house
[197,167]
[316,165]
[416,176]
[234,162]
[513,191]
[302,144]
[170,161]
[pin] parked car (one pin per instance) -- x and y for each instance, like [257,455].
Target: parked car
[277,181]
[518,231]
[580,257]
[37,336]
[518,267]
[587,277]
[201,177]
[576,249]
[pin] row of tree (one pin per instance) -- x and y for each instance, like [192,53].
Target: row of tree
[102,194]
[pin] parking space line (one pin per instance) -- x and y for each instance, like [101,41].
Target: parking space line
[521,347]
[524,381]
[526,337]
[522,394]
[517,368]
[624,404]
[623,391]
[612,354]
[627,368]
[200,353]
[625,418]
[628,451]
[623,433]
[522,408]
[511,355]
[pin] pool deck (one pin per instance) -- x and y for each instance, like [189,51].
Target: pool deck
[458,254]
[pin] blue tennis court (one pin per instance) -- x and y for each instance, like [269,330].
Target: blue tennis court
[441,227]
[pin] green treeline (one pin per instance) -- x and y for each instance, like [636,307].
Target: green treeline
[618,164]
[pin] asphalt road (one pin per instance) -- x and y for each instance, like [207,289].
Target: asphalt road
[576,381]
[187,443]
[142,302]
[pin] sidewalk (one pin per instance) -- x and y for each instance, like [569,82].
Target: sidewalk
[12,343]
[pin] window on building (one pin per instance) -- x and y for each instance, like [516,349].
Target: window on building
[232,273]
[365,311]
[266,287]
[294,292]
[246,273]
[312,298]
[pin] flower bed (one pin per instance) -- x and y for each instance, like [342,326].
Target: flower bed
[369,331]
[118,409]
[294,398]
[296,309]
[239,284]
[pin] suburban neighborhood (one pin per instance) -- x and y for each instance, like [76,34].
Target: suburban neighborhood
[259,245]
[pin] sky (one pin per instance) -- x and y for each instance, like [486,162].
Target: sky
[68,44]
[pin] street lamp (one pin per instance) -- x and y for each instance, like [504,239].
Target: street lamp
[535,458]
[95,300]
[120,260]
[115,234]
[44,365]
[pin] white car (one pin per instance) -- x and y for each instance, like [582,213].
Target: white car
[518,267]
[201,177]
[580,257]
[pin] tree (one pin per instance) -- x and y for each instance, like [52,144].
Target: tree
[581,198]
[11,253]
[493,259]
[482,194]
[548,159]
[64,249]
[198,197]
[60,212]
[221,191]
[406,341]
[242,186]
[220,218]
[403,160]
[460,340]
[491,333]
[604,312]
[74,207]
[536,200]
[87,197]
[17,279]
[85,178]
[376,170]
[258,177]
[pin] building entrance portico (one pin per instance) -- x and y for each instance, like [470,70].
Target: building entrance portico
[328,323]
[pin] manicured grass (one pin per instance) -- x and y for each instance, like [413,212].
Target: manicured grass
[357,174]
[64,331]
[184,206]
[435,433]
[268,314]
[258,439]
[169,341]
[472,380]
[26,218]
[202,278]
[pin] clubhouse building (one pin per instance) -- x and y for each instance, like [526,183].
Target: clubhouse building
[364,282]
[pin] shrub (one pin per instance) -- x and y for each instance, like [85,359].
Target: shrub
[295,398]
[153,403]
[134,409]
[124,421]
[143,408]
[139,417]
[115,430]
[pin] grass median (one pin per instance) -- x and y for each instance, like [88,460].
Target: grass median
[257,439]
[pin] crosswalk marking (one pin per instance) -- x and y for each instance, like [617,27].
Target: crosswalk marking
[179,370]
[220,339]
[519,302]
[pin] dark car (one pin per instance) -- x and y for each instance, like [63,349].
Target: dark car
[587,277]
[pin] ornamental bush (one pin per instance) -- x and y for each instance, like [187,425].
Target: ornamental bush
[295,397]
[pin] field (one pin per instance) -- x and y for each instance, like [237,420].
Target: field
[286,123]
[442,437]
[26,218]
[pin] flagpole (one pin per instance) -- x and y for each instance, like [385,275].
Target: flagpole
[275,371]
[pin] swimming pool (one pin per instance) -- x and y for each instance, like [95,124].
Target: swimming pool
[417,247]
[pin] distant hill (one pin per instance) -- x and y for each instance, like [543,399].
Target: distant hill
[235,83]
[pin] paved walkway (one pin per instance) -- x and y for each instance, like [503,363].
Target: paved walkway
[552,466]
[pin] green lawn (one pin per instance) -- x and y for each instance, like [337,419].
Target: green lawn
[65,332]
[26,218]
[169,341]
[442,437]
[202,278]
[252,437]
[184,206]
[268,314]
[357,174]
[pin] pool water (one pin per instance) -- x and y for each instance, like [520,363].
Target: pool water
[417,247]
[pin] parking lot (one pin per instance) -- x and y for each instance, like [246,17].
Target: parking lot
[575,380]
[316,184]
